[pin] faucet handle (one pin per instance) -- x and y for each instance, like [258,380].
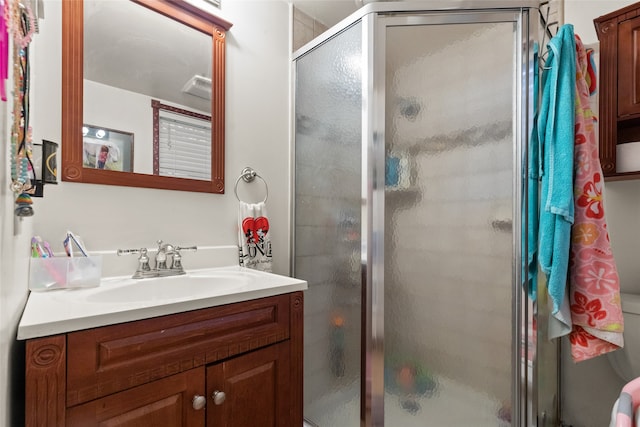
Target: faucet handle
[121,252]
[177,258]
[143,261]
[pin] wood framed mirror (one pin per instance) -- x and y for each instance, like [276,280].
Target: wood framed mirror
[74,103]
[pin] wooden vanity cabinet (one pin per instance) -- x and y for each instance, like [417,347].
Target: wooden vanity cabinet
[147,373]
[619,111]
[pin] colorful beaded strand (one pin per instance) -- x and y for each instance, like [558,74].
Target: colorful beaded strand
[22,27]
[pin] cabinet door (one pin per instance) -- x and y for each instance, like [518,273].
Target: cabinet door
[629,67]
[256,387]
[164,403]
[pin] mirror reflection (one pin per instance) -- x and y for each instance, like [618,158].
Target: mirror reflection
[120,58]
[133,55]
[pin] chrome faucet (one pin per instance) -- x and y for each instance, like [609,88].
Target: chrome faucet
[168,261]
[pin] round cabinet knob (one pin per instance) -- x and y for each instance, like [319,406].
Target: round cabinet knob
[199,402]
[218,397]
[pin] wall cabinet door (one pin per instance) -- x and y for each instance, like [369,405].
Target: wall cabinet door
[256,389]
[629,67]
[619,88]
[164,403]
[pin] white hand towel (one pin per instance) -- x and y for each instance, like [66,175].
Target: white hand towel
[254,236]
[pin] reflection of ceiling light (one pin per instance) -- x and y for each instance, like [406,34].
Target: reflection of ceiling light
[198,86]
[95,132]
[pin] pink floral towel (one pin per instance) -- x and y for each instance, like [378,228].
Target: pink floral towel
[594,286]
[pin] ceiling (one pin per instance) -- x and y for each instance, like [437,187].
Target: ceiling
[135,49]
[328,12]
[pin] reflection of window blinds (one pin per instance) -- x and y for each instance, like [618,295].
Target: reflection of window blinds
[184,146]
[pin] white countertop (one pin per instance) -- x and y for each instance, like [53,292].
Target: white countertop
[120,299]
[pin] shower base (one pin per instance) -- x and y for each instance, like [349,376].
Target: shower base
[452,404]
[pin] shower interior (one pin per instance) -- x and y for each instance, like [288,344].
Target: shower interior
[411,125]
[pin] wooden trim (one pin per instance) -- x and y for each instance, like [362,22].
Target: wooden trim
[608,134]
[622,176]
[45,380]
[188,14]
[157,105]
[217,110]
[72,100]
[631,11]
[156,138]
[72,87]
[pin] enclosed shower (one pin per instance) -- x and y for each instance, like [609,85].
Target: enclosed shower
[410,135]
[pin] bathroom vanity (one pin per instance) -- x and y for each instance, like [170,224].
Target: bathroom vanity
[231,364]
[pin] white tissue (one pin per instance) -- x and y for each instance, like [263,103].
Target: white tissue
[628,157]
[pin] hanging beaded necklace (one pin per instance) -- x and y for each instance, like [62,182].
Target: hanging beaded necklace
[21,23]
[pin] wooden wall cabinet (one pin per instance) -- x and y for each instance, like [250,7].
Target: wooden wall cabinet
[244,359]
[619,115]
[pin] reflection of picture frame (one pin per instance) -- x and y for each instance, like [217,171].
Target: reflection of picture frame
[107,149]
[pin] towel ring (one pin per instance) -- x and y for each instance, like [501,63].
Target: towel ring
[248,175]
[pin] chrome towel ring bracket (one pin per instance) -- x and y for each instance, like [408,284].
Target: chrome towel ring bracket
[249,175]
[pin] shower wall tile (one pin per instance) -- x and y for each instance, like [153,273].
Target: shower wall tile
[471,104]
[305,28]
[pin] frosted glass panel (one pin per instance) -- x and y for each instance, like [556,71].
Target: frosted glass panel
[327,225]
[448,236]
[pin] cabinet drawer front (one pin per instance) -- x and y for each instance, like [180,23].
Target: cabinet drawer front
[105,360]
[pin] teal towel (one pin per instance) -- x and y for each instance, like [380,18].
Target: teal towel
[556,121]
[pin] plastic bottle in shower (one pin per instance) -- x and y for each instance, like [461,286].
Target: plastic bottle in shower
[336,347]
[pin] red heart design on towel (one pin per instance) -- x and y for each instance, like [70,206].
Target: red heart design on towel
[255,228]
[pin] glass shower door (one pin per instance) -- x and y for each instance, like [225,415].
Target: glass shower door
[327,210]
[450,103]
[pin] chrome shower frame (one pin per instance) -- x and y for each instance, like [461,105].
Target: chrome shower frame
[375,17]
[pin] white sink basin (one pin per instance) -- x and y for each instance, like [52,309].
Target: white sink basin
[126,290]
[122,299]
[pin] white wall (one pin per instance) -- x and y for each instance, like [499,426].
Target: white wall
[109,217]
[14,252]
[126,111]
[14,257]
[591,387]
[257,132]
